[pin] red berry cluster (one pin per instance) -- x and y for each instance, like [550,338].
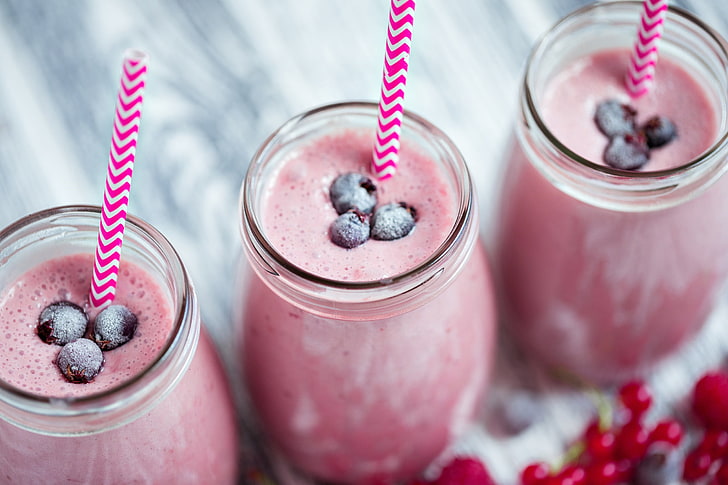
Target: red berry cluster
[632,451]
[612,453]
[708,458]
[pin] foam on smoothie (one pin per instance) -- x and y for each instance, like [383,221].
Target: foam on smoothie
[28,363]
[571,97]
[297,209]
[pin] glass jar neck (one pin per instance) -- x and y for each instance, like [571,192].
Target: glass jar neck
[610,25]
[69,230]
[366,300]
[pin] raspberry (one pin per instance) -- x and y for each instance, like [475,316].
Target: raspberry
[710,400]
[464,471]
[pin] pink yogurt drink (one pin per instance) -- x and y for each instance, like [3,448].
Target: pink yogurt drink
[159,411]
[605,271]
[362,364]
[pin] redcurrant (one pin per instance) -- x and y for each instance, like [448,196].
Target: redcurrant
[715,442]
[668,431]
[600,445]
[632,441]
[602,473]
[636,397]
[696,466]
[534,474]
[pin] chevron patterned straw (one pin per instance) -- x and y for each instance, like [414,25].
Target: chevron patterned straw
[641,72]
[118,179]
[385,155]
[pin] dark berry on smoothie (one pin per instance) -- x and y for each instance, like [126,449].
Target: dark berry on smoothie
[393,221]
[350,229]
[627,152]
[353,191]
[614,118]
[114,326]
[61,322]
[659,131]
[80,361]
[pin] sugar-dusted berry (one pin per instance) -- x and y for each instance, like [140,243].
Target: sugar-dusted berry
[114,326]
[353,191]
[614,118]
[350,229]
[393,221]
[627,152]
[61,322]
[80,361]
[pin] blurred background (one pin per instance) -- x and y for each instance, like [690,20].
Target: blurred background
[222,76]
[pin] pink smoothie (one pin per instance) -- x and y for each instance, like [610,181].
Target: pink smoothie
[571,98]
[357,401]
[28,363]
[298,223]
[602,293]
[189,437]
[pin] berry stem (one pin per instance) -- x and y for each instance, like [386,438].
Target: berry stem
[571,455]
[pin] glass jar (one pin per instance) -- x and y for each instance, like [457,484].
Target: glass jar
[604,272]
[173,421]
[354,381]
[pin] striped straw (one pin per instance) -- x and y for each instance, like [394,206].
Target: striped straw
[118,179]
[641,72]
[385,155]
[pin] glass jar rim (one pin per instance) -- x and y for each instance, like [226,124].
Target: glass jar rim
[533,109]
[99,401]
[250,222]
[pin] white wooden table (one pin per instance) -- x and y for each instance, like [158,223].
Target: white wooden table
[223,74]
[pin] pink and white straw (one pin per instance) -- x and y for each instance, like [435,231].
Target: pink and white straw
[641,72]
[385,156]
[118,179]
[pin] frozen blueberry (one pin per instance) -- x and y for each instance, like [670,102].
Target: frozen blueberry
[659,131]
[114,326]
[614,118]
[353,191]
[350,229]
[393,221]
[61,322]
[80,361]
[627,152]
